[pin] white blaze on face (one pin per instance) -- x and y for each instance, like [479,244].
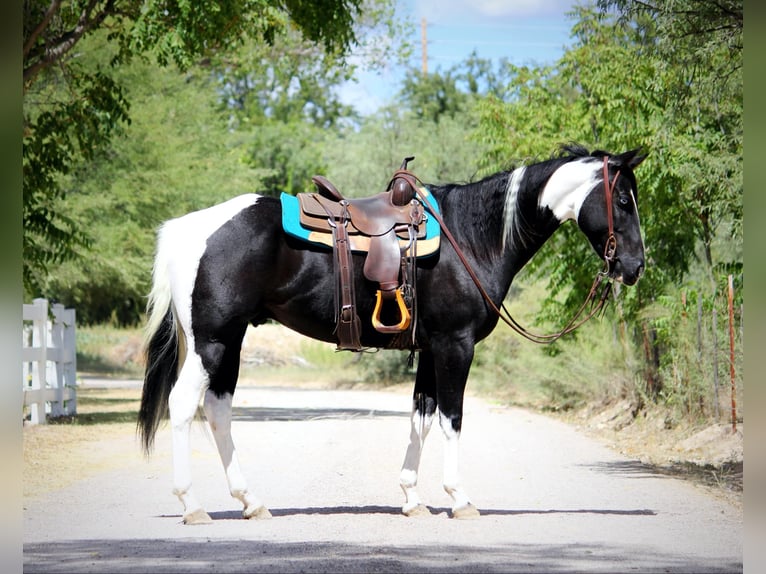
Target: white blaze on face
[568,187]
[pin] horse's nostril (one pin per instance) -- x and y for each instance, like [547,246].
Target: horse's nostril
[640,270]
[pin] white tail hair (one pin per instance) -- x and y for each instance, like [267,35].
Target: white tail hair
[160,298]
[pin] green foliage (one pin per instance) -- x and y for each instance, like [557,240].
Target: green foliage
[387,368]
[289,80]
[694,330]
[432,96]
[108,351]
[619,88]
[361,161]
[282,98]
[55,140]
[168,161]
[445,94]
[599,364]
[71,113]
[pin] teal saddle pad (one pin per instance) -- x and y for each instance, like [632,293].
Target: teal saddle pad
[292,226]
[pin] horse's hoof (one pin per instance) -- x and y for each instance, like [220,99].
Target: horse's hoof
[416,511]
[260,513]
[199,516]
[466,512]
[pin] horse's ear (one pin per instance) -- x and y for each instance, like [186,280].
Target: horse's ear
[632,158]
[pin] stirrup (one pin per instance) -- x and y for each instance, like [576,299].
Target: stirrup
[404,314]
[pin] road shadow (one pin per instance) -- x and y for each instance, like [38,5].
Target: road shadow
[397,511]
[728,475]
[197,553]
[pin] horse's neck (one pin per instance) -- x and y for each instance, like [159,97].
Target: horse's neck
[502,221]
[526,227]
[497,224]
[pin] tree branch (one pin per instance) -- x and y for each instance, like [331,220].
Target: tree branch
[67,40]
[52,9]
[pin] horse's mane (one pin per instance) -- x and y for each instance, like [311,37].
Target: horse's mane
[495,212]
[574,150]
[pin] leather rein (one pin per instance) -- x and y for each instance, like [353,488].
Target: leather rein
[596,298]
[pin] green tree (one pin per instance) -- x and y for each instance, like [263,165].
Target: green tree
[176,155]
[71,112]
[285,97]
[699,48]
[439,94]
[189,144]
[619,88]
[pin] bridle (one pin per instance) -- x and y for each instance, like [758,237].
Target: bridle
[599,291]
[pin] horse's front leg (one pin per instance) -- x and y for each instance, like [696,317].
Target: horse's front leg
[461,503]
[452,364]
[423,408]
[218,413]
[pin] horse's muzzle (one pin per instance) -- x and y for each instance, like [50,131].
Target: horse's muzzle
[627,270]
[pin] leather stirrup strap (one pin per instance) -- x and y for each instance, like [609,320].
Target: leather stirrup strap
[348,325]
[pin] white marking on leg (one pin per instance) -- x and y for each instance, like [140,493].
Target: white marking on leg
[218,412]
[181,244]
[568,187]
[183,403]
[408,478]
[452,463]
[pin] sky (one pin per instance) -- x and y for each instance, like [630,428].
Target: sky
[526,32]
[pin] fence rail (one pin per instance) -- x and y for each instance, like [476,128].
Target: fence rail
[50,363]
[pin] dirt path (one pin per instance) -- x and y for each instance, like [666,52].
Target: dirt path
[327,462]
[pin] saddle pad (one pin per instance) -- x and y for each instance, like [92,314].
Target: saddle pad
[359,243]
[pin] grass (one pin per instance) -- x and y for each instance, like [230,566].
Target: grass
[579,368]
[106,350]
[97,406]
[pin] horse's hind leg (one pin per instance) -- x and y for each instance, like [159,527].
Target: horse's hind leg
[218,412]
[423,409]
[183,403]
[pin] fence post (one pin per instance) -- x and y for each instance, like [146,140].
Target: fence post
[731,356]
[715,362]
[38,313]
[50,369]
[63,341]
[69,364]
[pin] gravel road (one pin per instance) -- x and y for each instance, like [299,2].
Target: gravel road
[327,462]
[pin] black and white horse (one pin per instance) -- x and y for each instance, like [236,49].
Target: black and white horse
[221,269]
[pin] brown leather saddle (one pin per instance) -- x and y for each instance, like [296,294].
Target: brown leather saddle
[390,223]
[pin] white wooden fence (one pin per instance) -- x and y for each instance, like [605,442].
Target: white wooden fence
[50,364]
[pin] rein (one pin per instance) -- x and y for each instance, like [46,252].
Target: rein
[600,298]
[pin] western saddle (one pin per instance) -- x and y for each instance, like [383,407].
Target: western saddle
[393,220]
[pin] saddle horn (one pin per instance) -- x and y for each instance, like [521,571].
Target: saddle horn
[401,189]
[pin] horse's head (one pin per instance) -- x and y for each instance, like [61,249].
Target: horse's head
[609,217]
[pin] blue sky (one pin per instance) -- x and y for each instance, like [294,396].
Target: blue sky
[524,31]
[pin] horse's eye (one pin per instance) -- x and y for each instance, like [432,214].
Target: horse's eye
[623,201]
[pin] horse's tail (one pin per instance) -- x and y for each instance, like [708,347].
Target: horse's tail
[163,350]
